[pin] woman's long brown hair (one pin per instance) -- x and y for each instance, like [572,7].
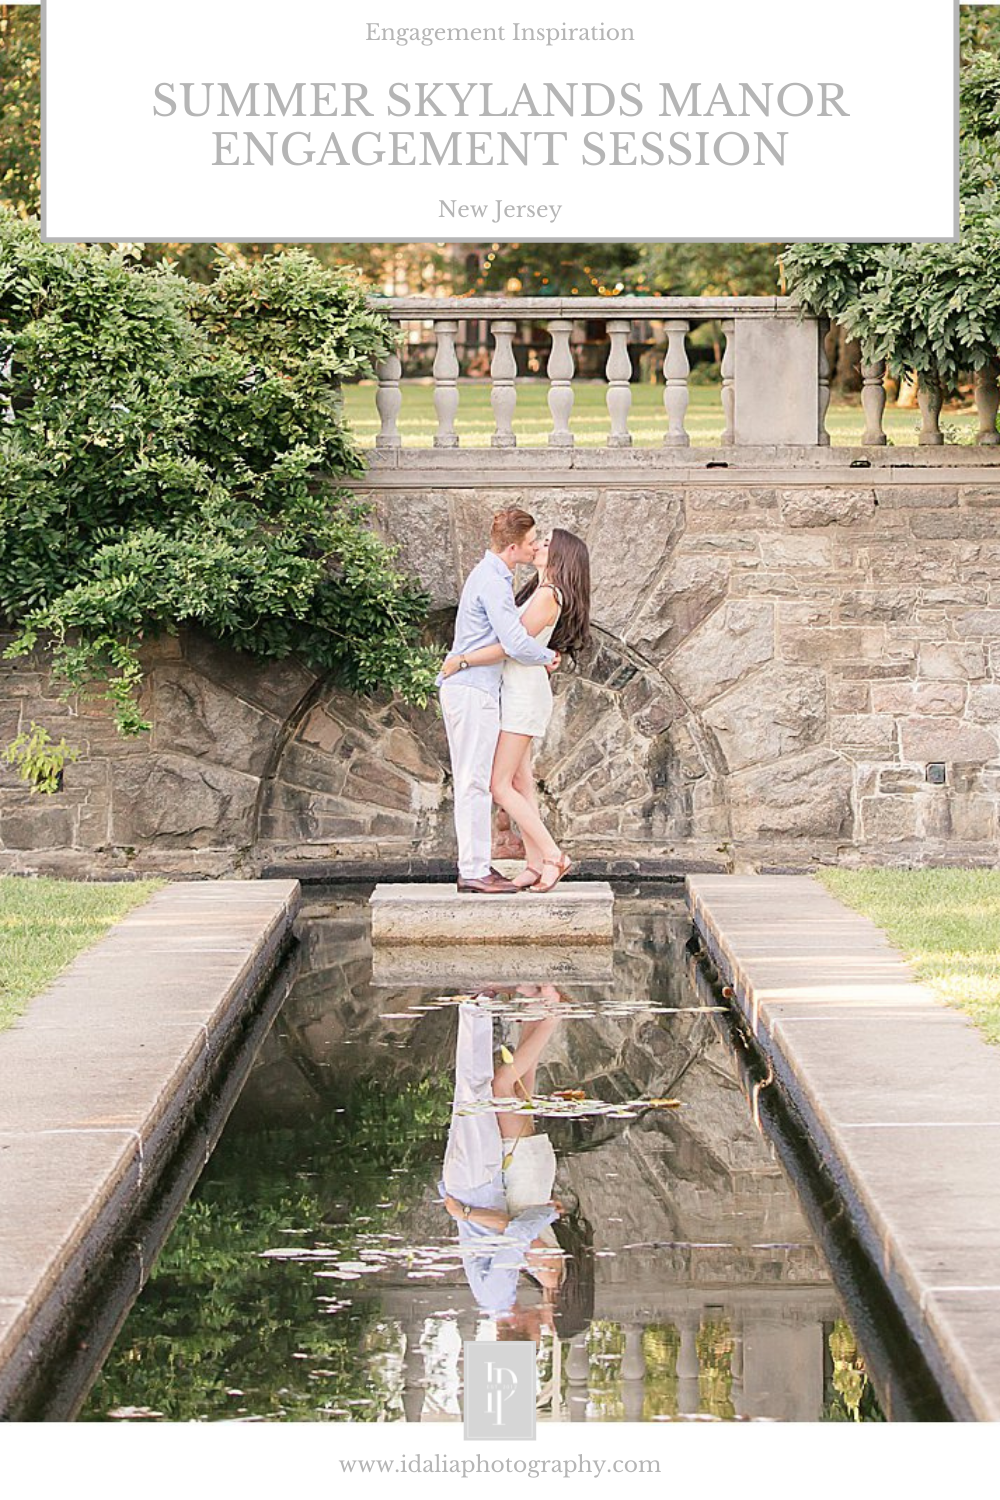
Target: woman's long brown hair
[568,570]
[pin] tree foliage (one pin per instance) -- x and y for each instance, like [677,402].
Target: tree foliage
[709,270]
[20,107]
[978,29]
[220,1327]
[930,308]
[587,270]
[392,269]
[165,460]
[549,269]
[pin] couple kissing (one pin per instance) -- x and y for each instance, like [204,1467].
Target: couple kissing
[496,698]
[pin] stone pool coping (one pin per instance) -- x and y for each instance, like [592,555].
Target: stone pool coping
[900,1094]
[99,1080]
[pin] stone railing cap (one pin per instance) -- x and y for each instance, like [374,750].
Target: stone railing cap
[518,308]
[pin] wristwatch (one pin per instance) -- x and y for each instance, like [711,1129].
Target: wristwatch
[466,1210]
[462,663]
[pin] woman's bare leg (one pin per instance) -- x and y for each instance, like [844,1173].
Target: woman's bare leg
[510,753]
[518,1076]
[523,781]
[534,1035]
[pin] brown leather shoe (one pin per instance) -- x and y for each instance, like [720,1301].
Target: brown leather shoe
[490,885]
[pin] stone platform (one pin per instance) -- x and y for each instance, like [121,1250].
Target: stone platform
[574,915]
[468,966]
[899,1094]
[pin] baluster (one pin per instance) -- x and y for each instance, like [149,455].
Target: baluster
[6,366]
[675,394]
[556,1383]
[633,1374]
[578,1378]
[873,401]
[736,1366]
[987,403]
[688,1369]
[388,399]
[729,384]
[929,398]
[619,389]
[503,395]
[560,373]
[414,1370]
[446,385]
[823,394]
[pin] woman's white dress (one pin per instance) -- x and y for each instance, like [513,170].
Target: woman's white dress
[525,691]
[529,1178]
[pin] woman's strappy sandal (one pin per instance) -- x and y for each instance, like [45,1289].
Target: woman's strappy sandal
[536,876]
[563,865]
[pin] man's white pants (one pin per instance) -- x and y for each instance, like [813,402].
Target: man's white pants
[472,723]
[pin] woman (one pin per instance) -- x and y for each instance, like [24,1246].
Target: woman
[560,1259]
[496,1240]
[555,608]
[566,1279]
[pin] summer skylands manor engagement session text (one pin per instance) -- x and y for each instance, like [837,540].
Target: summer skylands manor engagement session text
[481,102]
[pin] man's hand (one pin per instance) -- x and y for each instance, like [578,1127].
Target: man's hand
[554,663]
[453,1206]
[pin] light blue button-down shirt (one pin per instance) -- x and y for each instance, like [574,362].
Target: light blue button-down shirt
[493,1259]
[487,614]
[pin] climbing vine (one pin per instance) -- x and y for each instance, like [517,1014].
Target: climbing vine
[172,454]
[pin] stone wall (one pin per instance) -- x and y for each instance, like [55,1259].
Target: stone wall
[779,656]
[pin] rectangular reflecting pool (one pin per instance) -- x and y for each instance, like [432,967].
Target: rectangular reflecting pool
[454,1145]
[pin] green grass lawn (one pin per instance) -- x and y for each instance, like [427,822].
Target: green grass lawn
[46,923]
[590,424]
[947,922]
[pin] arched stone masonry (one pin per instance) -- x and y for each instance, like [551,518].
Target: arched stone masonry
[360,780]
[623,761]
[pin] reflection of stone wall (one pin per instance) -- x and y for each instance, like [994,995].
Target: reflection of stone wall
[336,1026]
[702,1176]
[776,665]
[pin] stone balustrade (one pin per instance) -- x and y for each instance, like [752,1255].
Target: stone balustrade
[774,388]
[766,1359]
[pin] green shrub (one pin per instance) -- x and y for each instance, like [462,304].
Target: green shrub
[166,459]
[932,308]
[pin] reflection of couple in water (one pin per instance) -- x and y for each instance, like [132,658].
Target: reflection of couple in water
[498,1182]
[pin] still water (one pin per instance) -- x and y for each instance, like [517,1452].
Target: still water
[627,1214]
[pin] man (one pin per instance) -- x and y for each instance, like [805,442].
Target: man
[470,697]
[496,1244]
